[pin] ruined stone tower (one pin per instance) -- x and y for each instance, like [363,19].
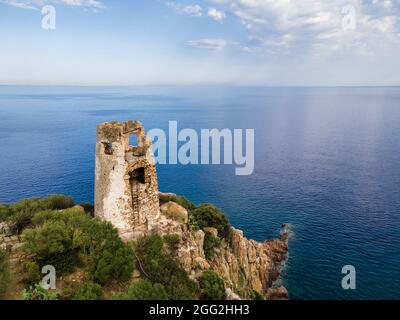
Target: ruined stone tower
[126,189]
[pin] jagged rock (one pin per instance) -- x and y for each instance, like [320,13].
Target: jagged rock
[175,212]
[249,265]
[212,231]
[230,295]
[280,293]
[6,229]
[17,246]
[199,238]
[202,263]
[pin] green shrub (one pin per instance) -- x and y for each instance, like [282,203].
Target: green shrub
[207,215]
[88,207]
[61,238]
[108,256]
[59,202]
[42,216]
[161,268]
[52,244]
[37,292]
[212,286]
[4,272]
[5,212]
[172,240]
[255,295]
[144,289]
[32,272]
[22,212]
[210,243]
[88,291]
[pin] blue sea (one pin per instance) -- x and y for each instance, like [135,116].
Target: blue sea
[327,161]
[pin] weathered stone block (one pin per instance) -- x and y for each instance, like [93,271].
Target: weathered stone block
[175,212]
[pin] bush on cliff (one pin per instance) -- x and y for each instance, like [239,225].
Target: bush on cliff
[52,244]
[108,256]
[5,212]
[37,292]
[210,243]
[63,239]
[207,215]
[158,267]
[21,213]
[4,272]
[59,202]
[255,295]
[182,201]
[212,286]
[144,289]
[172,241]
[85,291]
[32,273]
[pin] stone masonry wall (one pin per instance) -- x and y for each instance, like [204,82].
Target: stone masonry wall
[126,189]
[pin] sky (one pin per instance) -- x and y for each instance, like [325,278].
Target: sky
[232,42]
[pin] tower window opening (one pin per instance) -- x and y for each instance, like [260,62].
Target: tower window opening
[137,176]
[108,148]
[133,140]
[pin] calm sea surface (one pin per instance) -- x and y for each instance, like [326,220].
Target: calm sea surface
[327,161]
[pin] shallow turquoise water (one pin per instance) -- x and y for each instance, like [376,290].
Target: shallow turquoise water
[327,162]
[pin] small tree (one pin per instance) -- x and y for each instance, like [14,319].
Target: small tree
[144,289]
[207,215]
[32,272]
[210,243]
[52,244]
[37,292]
[212,286]
[108,256]
[161,268]
[88,291]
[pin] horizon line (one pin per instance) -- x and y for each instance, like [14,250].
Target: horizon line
[199,85]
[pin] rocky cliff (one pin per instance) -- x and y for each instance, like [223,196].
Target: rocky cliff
[246,266]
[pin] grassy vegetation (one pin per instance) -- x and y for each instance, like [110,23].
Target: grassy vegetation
[207,215]
[144,289]
[36,292]
[172,241]
[71,238]
[212,286]
[21,213]
[85,291]
[4,272]
[210,243]
[159,267]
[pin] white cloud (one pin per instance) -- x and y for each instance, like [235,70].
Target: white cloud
[192,10]
[316,25]
[217,15]
[384,3]
[211,44]
[36,4]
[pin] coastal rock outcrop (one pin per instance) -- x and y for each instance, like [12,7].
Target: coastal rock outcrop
[246,266]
